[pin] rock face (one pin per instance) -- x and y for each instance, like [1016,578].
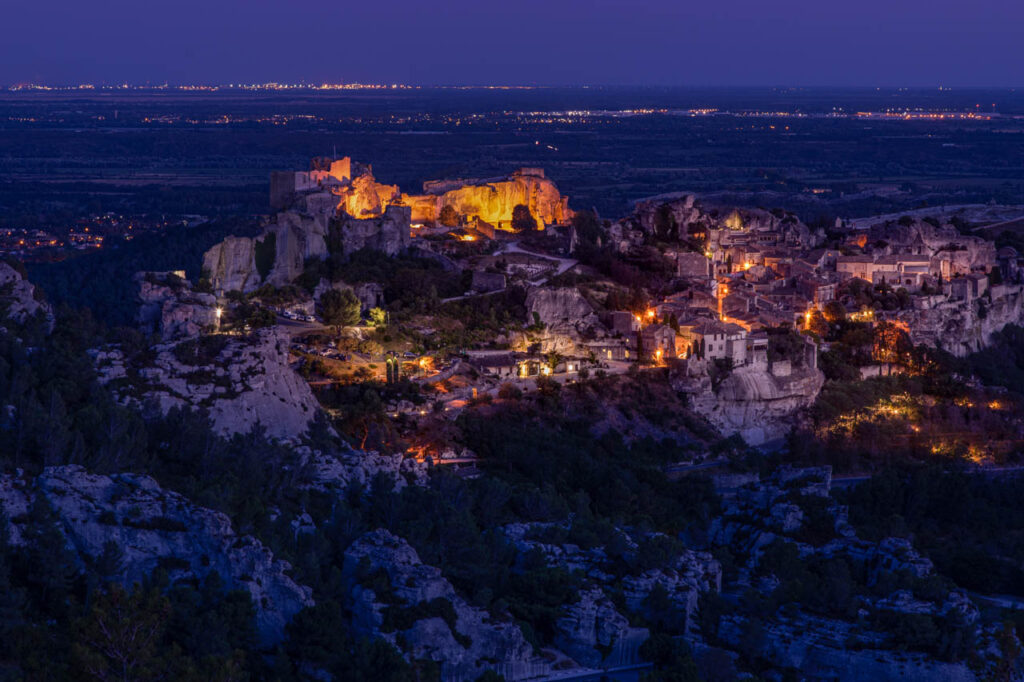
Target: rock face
[493,200]
[242,381]
[753,402]
[313,228]
[297,237]
[591,628]
[416,609]
[966,253]
[18,300]
[389,232]
[231,265]
[156,528]
[169,307]
[559,308]
[963,327]
[364,197]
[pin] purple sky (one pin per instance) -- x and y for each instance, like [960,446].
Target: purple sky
[629,42]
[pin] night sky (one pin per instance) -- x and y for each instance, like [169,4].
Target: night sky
[547,42]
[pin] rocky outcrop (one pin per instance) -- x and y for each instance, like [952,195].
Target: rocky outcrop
[18,297]
[678,213]
[591,630]
[347,216]
[364,197]
[298,236]
[415,608]
[964,327]
[389,232]
[965,253]
[169,307]
[231,265]
[338,471]
[156,529]
[562,308]
[241,380]
[752,401]
[493,200]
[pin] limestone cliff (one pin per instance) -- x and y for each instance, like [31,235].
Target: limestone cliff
[963,327]
[389,232]
[242,380]
[156,528]
[295,236]
[231,265]
[753,402]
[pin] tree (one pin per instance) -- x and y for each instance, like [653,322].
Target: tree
[340,308]
[834,312]
[553,359]
[119,639]
[378,317]
[449,217]
[522,219]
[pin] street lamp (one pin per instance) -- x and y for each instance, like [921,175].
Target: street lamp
[218,311]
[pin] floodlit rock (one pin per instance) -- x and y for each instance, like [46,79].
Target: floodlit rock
[424,617]
[156,528]
[493,200]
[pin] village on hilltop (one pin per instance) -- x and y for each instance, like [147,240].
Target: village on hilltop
[734,302]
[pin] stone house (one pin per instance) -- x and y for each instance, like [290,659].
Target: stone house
[658,337]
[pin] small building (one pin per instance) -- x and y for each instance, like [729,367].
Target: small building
[622,322]
[693,265]
[607,350]
[501,364]
[659,341]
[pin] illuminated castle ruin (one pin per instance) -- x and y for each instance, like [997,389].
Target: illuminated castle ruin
[490,201]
